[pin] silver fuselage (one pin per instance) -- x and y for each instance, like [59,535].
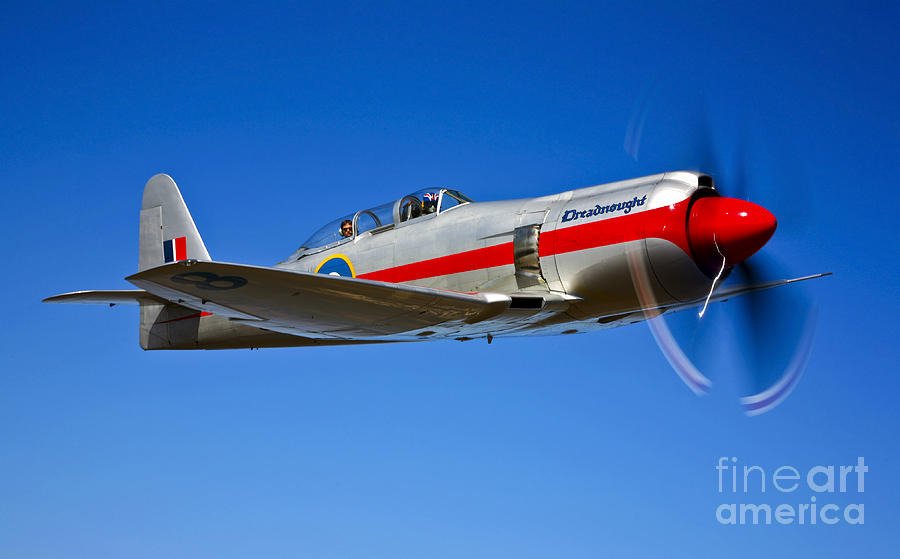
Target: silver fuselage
[578,247]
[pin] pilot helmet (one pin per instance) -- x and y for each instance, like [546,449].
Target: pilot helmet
[429,202]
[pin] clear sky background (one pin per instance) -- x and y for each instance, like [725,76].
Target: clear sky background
[274,119]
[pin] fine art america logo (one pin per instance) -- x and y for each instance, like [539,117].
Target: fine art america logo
[823,494]
[625,207]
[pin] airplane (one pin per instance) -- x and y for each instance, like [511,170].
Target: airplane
[437,265]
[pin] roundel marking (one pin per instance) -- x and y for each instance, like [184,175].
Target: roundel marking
[337,264]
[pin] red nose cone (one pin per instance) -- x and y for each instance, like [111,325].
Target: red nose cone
[727,227]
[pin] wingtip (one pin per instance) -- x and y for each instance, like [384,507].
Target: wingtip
[813,276]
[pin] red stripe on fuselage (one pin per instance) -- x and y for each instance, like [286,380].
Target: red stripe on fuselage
[477,259]
[667,222]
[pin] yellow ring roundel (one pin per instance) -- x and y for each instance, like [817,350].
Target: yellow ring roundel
[336,264]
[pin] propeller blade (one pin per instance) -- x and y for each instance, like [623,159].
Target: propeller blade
[778,327]
[773,328]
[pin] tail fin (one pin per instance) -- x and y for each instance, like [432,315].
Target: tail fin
[168,233]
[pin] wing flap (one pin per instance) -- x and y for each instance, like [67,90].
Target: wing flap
[314,304]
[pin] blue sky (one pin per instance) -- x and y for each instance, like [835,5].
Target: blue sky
[275,119]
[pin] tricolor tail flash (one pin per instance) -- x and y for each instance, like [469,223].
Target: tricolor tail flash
[175,250]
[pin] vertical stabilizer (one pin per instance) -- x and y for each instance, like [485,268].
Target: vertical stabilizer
[168,233]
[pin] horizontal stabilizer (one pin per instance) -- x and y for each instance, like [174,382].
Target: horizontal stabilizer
[113,297]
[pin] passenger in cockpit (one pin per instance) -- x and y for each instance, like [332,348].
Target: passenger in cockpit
[429,202]
[346,228]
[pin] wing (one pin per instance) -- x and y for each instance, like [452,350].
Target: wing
[315,305]
[733,291]
[727,293]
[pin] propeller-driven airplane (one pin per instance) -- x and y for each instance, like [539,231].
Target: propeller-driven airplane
[435,264]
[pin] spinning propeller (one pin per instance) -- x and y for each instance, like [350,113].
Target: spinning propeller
[773,328]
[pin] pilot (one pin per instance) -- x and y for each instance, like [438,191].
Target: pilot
[429,203]
[346,228]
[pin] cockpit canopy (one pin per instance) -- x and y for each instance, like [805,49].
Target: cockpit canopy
[413,206]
